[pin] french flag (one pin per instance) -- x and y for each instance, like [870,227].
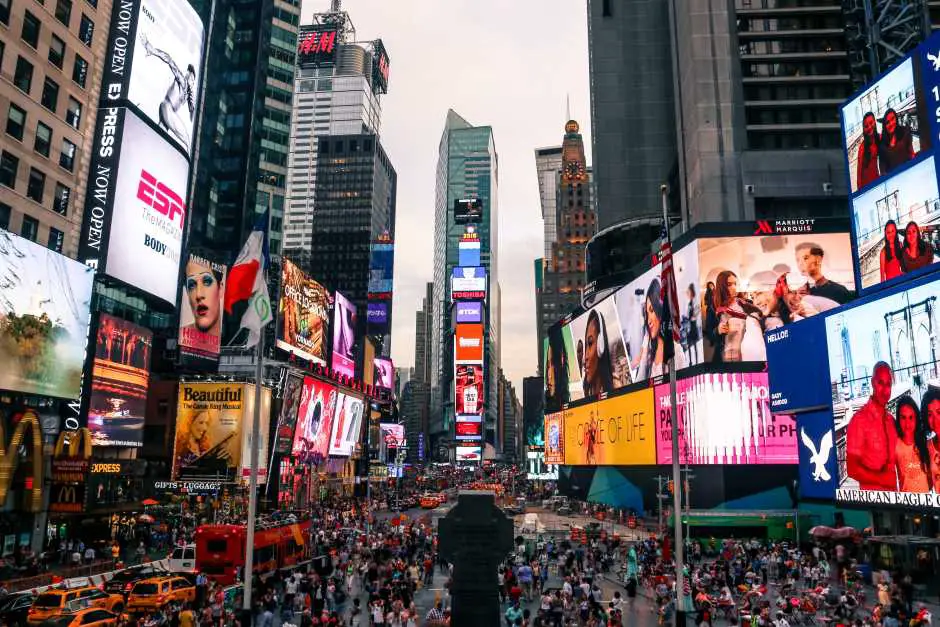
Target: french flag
[246,282]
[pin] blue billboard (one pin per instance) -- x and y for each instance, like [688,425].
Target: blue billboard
[798,366]
[818,466]
[381,270]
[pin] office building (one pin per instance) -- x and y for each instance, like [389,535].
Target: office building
[548,169]
[415,406]
[336,92]
[466,169]
[510,416]
[533,412]
[51,60]
[240,168]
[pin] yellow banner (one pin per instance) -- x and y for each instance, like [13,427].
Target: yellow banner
[618,431]
[208,429]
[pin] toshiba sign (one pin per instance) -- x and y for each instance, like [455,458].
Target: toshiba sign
[468,343]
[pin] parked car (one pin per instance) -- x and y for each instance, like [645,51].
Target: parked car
[88,617]
[123,581]
[14,608]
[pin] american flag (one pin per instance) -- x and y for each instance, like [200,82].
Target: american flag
[670,296]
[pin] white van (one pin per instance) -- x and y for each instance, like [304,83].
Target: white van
[183,559]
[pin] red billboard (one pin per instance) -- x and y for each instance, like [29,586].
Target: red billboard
[468,386]
[314,419]
[468,344]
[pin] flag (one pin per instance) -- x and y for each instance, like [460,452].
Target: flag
[670,297]
[246,282]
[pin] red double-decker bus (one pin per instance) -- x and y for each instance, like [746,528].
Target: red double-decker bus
[220,549]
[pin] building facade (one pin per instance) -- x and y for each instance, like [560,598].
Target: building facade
[548,168]
[467,167]
[51,60]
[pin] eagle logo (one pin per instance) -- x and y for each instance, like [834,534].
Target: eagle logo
[818,456]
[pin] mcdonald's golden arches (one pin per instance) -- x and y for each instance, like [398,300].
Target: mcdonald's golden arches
[29,419]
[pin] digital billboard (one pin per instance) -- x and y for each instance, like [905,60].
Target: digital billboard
[304,315]
[538,469]
[724,418]
[469,453]
[750,285]
[119,381]
[468,389]
[468,429]
[617,431]
[45,307]
[598,359]
[468,250]
[468,210]
[797,366]
[886,398]
[468,283]
[381,270]
[468,343]
[818,468]
[135,214]
[201,308]
[380,66]
[554,438]
[316,44]
[384,373]
[287,417]
[468,312]
[347,424]
[377,315]
[314,420]
[393,434]
[344,336]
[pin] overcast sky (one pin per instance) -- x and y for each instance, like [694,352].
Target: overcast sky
[503,63]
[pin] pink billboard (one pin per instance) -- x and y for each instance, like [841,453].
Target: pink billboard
[724,419]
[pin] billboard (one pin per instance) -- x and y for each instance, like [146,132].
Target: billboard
[818,469]
[347,424]
[469,453]
[468,283]
[377,315]
[201,306]
[468,389]
[316,44]
[314,420]
[381,270]
[468,429]
[724,418]
[468,210]
[797,366]
[344,336]
[135,214]
[379,66]
[468,343]
[119,381]
[287,418]
[886,398]
[468,251]
[468,312]
[393,434]
[384,373]
[616,431]
[750,285]
[538,469]
[45,306]
[554,438]
[304,315]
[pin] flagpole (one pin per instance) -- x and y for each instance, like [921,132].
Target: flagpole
[676,473]
[253,485]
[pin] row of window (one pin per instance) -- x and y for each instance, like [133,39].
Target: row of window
[792,45]
[23,79]
[792,115]
[35,184]
[29,229]
[808,68]
[23,75]
[16,125]
[831,90]
[760,140]
[804,22]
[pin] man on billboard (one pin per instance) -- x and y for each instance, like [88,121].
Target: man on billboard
[809,260]
[182,90]
[871,437]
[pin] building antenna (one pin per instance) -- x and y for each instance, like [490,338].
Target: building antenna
[336,6]
[567,101]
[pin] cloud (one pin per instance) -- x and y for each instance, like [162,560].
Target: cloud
[510,65]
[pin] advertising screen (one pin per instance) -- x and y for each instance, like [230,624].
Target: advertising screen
[554,439]
[599,362]
[468,283]
[468,430]
[304,317]
[208,429]
[347,424]
[469,453]
[468,252]
[818,468]
[314,420]
[377,315]
[538,469]
[797,366]
[468,210]
[468,389]
[381,270]
[724,419]
[612,432]
[393,434]
[287,418]
[384,373]
[469,312]
[119,382]
[344,336]
[750,285]
[201,308]
[380,66]
[886,398]
[316,45]
[468,343]
[45,303]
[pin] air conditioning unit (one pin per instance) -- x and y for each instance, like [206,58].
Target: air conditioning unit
[749,189]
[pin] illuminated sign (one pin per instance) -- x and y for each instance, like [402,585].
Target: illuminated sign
[467,280]
[316,45]
[468,343]
[100,468]
[618,431]
[379,67]
[469,312]
[468,210]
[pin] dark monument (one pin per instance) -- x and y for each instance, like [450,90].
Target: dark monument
[475,537]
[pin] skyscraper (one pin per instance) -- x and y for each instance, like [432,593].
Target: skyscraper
[548,168]
[415,406]
[467,169]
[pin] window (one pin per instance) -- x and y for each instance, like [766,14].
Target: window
[5,11]
[57,52]
[5,211]
[86,30]
[80,71]
[60,203]
[63,11]
[50,95]
[56,239]
[43,139]
[23,77]
[16,122]
[74,113]
[30,228]
[36,186]
[67,156]
[8,167]
[31,27]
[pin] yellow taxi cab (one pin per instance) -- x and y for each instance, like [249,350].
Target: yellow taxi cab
[156,592]
[88,617]
[83,595]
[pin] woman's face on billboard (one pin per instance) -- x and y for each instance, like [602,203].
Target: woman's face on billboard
[933,415]
[907,418]
[591,333]
[869,125]
[911,233]
[891,122]
[203,289]
[652,320]
[200,425]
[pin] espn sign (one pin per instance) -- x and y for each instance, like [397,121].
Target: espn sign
[161,198]
[468,343]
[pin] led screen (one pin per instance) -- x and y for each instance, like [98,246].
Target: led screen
[538,469]
[381,270]
[44,311]
[468,343]
[377,315]
[468,253]
[818,468]
[616,431]
[344,336]
[468,430]
[797,366]
[469,453]
[347,423]
[554,439]
[724,419]
[468,312]
[468,389]
[119,383]
[314,420]
[468,283]
[287,418]
[468,210]
[393,434]
[384,373]
[201,308]
[304,318]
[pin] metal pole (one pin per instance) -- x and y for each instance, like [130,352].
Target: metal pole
[676,474]
[253,485]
